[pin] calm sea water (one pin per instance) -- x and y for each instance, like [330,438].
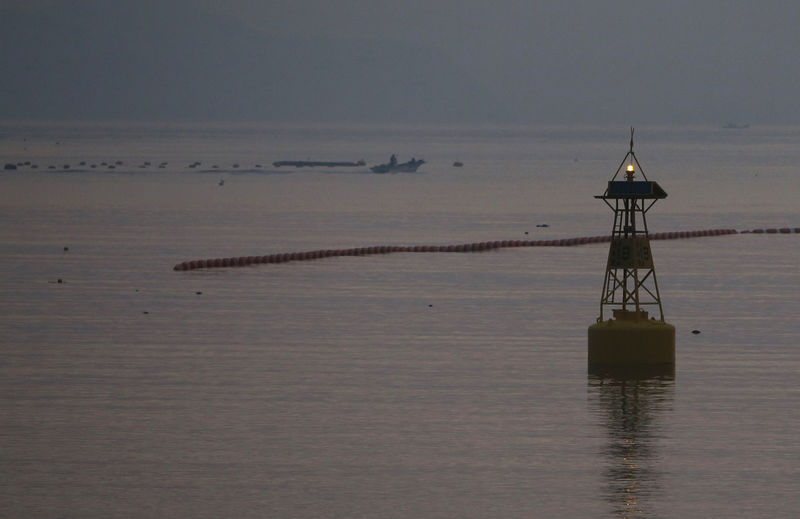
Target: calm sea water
[402,385]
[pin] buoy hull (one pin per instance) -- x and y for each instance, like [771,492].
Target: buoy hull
[631,343]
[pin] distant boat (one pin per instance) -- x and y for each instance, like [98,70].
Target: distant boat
[457,164]
[736,126]
[398,167]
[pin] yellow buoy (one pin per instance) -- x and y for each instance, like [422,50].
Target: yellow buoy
[628,340]
[631,337]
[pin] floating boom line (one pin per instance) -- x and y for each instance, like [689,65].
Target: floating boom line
[242,261]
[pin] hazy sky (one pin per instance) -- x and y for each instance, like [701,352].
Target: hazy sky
[696,58]
[565,60]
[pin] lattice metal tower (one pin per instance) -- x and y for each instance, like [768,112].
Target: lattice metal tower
[630,281]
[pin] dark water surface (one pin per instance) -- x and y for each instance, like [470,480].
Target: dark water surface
[402,385]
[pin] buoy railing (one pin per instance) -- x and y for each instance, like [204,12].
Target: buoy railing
[285,257]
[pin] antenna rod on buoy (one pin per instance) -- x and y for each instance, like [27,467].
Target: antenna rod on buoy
[631,139]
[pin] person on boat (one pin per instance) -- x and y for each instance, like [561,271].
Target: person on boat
[393,160]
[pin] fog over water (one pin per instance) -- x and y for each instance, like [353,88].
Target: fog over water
[433,61]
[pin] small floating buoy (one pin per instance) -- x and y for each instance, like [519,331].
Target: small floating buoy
[199,293]
[66,249]
[430,306]
[145,312]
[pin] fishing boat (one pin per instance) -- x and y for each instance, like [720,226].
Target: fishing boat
[398,167]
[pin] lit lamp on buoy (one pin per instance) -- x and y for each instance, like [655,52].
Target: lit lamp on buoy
[629,337]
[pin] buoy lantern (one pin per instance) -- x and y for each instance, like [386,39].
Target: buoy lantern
[630,337]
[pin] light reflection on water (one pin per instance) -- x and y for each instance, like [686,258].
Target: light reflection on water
[632,405]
